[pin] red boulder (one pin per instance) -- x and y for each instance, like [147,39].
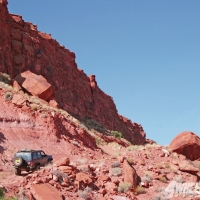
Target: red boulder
[188,144]
[37,85]
[130,174]
[45,191]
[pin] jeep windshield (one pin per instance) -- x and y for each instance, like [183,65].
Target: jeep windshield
[25,155]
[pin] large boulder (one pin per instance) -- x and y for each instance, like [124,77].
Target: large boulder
[37,85]
[62,162]
[45,191]
[188,144]
[188,166]
[130,174]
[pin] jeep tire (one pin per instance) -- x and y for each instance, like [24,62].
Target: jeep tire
[37,167]
[18,161]
[17,171]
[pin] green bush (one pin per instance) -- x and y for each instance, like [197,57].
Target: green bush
[198,166]
[2,197]
[1,193]
[116,134]
[92,124]
[130,160]
[116,171]
[124,186]
[115,164]
[139,190]
[99,141]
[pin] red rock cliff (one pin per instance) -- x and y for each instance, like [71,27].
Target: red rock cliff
[23,47]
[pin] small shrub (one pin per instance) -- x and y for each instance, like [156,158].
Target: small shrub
[161,196]
[5,78]
[60,175]
[115,164]
[134,147]
[147,177]
[163,179]
[116,134]
[2,197]
[178,179]
[1,84]
[167,165]
[148,173]
[160,189]
[174,170]
[83,168]
[21,195]
[115,146]
[45,107]
[115,171]
[151,146]
[139,190]
[124,186]
[175,155]
[82,161]
[99,141]
[148,154]
[8,96]
[34,100]
[92,124]
[83,194]
[34,106]
[159,166]
[88,189]
[130,160]
[198,166]
[10,88]
[1,193]
[167,148]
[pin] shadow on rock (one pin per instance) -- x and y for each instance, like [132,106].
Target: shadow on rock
[2,139]
[74,132]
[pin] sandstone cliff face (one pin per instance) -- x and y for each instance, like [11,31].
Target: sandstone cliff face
[23,47]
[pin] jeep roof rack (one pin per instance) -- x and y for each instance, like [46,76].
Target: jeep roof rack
[26,150]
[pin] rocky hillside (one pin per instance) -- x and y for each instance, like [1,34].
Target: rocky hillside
[88,165]
[23,47]
[47,103]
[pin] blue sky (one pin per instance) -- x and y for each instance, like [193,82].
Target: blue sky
[145,54]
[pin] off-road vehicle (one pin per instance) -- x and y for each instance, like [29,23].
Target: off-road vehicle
[29,160]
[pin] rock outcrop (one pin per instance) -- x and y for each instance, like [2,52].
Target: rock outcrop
[23,47]
[188,144]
